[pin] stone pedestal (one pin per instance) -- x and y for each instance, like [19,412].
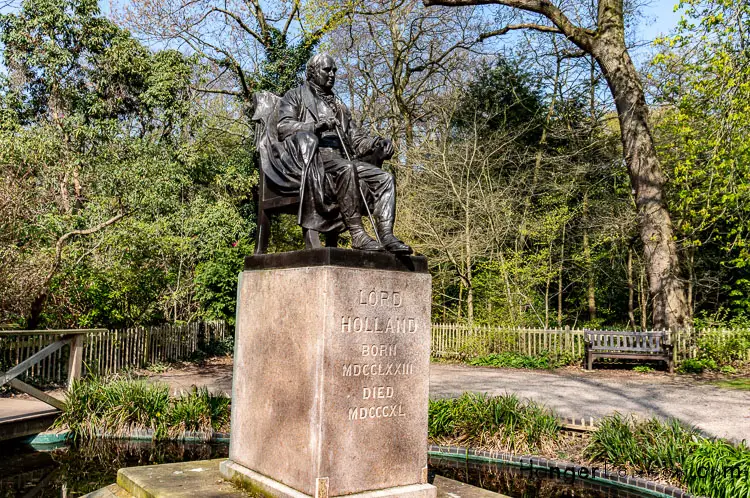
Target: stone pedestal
[331,375]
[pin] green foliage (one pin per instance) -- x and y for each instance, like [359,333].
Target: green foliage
[117,406]
[216,282]
[281,69]
[695,366]
[501,96]
[497,421]
[718,469]
[713,468]
[93,126]
[198,411]
[743,384]
[718,351]
[510,359]
[649,446]
[642,369]
[703,73]
[220,347]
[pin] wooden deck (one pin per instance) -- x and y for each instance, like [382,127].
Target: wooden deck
[22,416]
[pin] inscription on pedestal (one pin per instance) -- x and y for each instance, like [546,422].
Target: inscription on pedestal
[377,312]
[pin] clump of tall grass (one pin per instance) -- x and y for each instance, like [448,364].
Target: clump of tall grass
[713,468]
[647,446]
[718,469]
[120,406]
[496,422]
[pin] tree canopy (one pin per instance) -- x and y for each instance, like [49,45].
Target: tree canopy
[127,155]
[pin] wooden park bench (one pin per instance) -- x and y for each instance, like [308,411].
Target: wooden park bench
[650,345]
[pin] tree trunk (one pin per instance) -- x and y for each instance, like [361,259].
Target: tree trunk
[643,300]
[560,281]
[590,289]
[662,265]
[607,44]
[631,288]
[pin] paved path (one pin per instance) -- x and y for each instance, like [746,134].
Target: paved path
[570,392]
[718,411]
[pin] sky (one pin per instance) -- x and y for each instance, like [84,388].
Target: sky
[663,17]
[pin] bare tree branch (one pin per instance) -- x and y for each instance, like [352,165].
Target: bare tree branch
[582,37]
[506,29]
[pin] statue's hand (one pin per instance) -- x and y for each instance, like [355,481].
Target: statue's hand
[387,146]
[326,124]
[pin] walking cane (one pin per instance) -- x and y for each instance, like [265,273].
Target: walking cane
[364,201]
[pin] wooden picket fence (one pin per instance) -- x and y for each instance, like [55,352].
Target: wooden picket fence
[464,341]
[110,351]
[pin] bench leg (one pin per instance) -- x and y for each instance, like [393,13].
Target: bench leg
[590,362]
[263,232]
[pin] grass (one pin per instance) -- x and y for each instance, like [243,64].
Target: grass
[645,446]
[718,469]
[668,451]
[672,450]
[643,369]
[121,405]
[743,384]
[498,422]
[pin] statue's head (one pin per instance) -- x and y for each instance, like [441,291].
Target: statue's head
[321,70]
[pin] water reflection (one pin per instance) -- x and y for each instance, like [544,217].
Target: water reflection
[517,483]
[75,470]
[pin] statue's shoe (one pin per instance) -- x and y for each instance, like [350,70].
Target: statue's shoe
[392,244]
[363,242]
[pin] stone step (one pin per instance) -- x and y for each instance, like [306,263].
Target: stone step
[202,478]
[448,488]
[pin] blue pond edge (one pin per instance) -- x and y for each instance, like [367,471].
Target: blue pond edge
[539,463]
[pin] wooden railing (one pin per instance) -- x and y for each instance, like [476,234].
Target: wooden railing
[50,342]
[459,340]
[104,352]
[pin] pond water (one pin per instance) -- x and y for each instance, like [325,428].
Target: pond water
[519,483]
[75,470]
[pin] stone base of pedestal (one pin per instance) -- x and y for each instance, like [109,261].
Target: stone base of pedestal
[331,374]
[246,478]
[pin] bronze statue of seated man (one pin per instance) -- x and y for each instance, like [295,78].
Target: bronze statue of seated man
[313,148]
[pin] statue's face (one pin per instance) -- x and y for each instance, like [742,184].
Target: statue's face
[325,74]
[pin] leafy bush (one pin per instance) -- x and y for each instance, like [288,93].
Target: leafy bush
[696,366]
[648,446]
[220,347]
[728,369]
[642,369]
[718,469]
[118,406]
[511,359]
[725,352]
[500,422]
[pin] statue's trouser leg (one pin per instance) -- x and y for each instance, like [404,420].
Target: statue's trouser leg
[379,188]
[344,182]
[380,194]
